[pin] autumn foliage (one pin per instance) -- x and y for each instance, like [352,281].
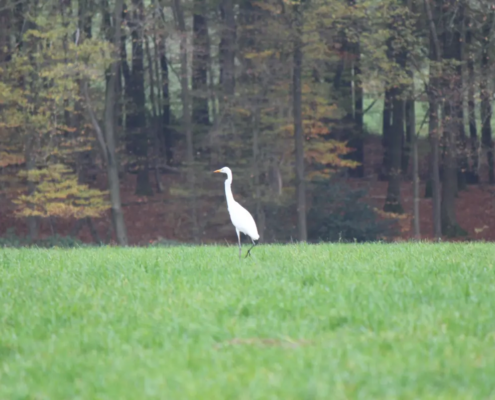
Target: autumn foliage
[42,128]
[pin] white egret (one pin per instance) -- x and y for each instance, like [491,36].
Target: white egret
[242,220]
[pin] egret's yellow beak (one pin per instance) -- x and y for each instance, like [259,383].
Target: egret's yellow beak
[217,171]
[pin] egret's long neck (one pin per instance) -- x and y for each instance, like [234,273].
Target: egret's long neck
[228,190]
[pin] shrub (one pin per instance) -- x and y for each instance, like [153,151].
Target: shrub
[338,213]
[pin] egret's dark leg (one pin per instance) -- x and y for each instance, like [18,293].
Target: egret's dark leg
[249,251]
[240,246]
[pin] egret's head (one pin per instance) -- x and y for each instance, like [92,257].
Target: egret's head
[224,170]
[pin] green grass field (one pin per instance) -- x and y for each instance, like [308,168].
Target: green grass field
[374,321]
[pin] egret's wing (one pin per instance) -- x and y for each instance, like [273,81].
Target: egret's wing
[243,221]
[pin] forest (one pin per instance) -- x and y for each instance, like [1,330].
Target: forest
[342,120]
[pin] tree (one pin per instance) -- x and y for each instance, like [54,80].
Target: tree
[106,137]
[281,90]
[136,132]
[453,122]
[186,114]
[357,141]
[40,101]
[411,135]
[200,59]
[166,131]
[433,109]
[227,48]
[398,50]
[347,83]
[486,94]
[298,124]
[473,167]
[411,129]
[386,133]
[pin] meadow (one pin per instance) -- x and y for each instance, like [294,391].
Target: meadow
[337,321]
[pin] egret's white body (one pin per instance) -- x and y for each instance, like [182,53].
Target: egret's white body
[242,220]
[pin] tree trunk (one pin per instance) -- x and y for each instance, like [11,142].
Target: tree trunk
[435,161]
[473,168]
[357,140]
[386,133]
[200,114]
[155,123]
[392,201]
[453,125]
[84,159]
[411,127]
[450,226]
[167,135]
[342,81]
[485,96]
[136,135]
[186,115]
[410,118]
[86,13]
[407,147]
[112,164]
[396,135]
[21,24]
[32,222]
[260,214]
[5,31]
[227,48]
[410,110]
[298,127]
[460,139]
[411,135]
[433,129]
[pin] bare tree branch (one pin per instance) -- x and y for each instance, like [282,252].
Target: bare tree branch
[96,125]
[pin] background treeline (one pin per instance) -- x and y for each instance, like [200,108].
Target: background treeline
[286,93]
